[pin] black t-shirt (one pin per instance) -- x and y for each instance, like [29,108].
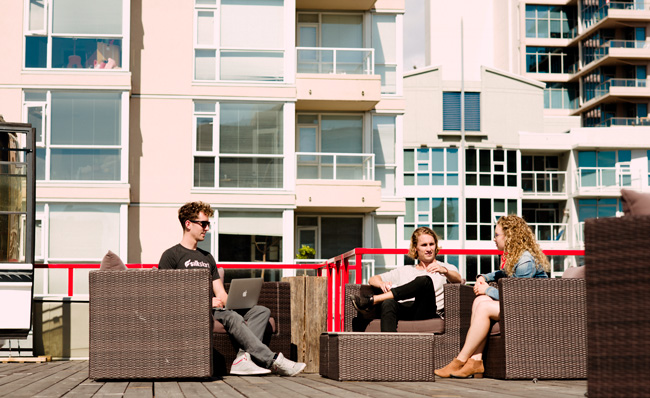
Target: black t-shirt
[179,257]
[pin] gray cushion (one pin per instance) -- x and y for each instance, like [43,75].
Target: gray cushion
[112,262]
[574,272]
[435,325]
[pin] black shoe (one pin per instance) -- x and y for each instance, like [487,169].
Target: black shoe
[362,303]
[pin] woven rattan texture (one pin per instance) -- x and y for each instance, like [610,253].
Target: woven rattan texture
[617,260]
[276,296]
[381,357]
[543,330]
[150,324]
[323,364]
[458,311]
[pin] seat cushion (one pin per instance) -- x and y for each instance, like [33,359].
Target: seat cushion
[217,327]
[112,262]
[435,325]
[635,203]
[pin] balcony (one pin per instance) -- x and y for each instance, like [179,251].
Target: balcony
[336,79]
[607,15]
[625,121]
[342,182]
[614,90]
[543,183]
[604,180]
[613,51]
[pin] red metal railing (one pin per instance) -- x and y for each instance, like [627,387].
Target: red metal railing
[338,274]
[71,267]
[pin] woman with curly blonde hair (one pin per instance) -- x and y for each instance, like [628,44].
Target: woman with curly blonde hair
[524,259]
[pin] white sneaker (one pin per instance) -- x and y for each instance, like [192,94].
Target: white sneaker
[286,367]
[244,366]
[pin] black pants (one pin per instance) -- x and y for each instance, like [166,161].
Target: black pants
[423,307]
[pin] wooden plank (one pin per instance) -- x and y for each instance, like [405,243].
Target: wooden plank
[165,389]
[38,387]
[322,384]
[40,371]
[301,389]
[194,389]
[245,387]
[87,388]
[42,358]
[315,320]
[112,388]
[297,314]
[221,389]
[68,384]
[139,389]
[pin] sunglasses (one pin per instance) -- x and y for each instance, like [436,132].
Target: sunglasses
[203,224]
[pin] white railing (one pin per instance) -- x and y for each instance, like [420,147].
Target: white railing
[604,177]
[580,233]
[549,231]
[335,166]
[543,182]
[356,61]
[603,88]
[625,121]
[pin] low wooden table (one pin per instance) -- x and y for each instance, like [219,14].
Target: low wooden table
[377,356]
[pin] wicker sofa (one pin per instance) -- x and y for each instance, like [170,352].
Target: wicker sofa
[157,324]
[450,333]
[542,332]
[617,258]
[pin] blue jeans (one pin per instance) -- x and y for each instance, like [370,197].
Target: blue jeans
[247,328]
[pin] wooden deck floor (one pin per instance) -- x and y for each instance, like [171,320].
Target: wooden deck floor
[70,379]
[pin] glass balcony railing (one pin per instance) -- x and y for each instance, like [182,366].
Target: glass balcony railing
[549,231]
[543,182]
[605,87]
[594,14]
[357,61]
[625,121]
[604,177]
[335,166]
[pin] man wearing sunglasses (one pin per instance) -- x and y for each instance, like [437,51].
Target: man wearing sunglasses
[247,328]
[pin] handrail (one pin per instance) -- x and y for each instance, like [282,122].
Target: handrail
[305,161]
[324,64]
[72,267]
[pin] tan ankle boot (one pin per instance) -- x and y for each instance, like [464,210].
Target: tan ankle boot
[472,368]
[453,366]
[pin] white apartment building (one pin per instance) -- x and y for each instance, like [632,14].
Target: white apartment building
[555,119]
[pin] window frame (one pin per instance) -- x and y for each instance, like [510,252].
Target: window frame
[50,36]
[428,163]
[446,224]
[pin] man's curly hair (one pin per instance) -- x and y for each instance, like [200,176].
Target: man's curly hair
[519,238]
[191,210]
[413,253]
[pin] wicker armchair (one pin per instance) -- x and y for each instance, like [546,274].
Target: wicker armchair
[152,324]
[276,296]
[617,258]
[543,330]
[458,310]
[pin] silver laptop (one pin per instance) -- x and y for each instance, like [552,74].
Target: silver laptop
[243,293]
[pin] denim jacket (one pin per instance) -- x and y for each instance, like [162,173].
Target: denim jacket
[525,268]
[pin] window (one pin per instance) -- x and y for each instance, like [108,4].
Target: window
[244,151]
[550,60]
[544,219]
[598,208]
[482,215]
[439,214]
[384,41]
[332,235]
[477,265]
[75,34]
[83,140]
[241,40]
[331,138]
[250,236]
[431,166]
[63,236]
[383,146]
[550,22]
[487,167]
[540,174]
[560,96]
[451,111]
[604,168]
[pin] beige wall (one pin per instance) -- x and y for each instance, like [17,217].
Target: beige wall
[423,98]
[61,329]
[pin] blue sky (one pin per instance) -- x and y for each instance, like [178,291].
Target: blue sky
[414,35]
